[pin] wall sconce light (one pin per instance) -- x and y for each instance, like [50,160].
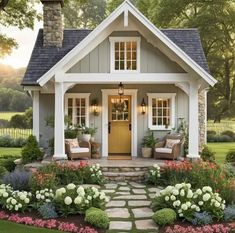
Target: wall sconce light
[143,107]
[120,89]
[95,107]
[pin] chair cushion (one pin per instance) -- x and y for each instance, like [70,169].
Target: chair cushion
[163,150]
[171,142]
[79,150]
[73,143]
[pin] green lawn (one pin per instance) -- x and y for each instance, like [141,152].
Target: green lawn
[221,149]
[8,115]
[9,227]
[10,151]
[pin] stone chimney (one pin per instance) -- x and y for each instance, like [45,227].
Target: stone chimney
[52,23]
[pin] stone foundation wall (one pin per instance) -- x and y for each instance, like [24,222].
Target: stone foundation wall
[202,119]
[52,24]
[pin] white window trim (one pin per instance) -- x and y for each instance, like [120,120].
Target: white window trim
[112,51]
[161,95]
[78,95]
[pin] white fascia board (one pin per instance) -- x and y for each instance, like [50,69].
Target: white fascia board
[131,78]
[126,5]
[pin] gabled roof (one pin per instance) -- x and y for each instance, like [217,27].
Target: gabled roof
[42,59]
[44,62]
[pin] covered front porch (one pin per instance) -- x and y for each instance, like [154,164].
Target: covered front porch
[181,88]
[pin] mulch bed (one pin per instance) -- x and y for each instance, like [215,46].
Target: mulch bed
[78,220]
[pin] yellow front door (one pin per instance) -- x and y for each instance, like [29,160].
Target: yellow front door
[119,126]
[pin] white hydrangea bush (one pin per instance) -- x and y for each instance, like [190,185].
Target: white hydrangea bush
[186,201]
[43,196]
[153,175]
[5,191]
[73,199]
[94,175]
[18,201]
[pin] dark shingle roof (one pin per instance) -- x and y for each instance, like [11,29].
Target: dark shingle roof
[44,58]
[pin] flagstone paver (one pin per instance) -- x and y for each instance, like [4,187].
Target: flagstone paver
[139,191]
[120,225]
[116,204]
[129,208]
[139,203]
[117,213]
[137,185]
[110,186]
[144,212]
[152,195]
[122,188]
[131,197]
[146,224]
[108,191]
[154,190]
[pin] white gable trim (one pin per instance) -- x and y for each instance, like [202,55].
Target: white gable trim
[78,52]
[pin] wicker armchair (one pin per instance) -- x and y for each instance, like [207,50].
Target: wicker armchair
[81,152]
[162,152]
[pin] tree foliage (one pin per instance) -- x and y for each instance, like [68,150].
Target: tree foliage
[17,13]
[13,100]
[84,13]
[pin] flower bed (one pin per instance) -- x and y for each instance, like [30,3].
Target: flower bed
[57,174]
[198,174]
[49,224]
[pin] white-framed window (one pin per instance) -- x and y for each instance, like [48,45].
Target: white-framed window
[77,108]
[161,111]
[124,54]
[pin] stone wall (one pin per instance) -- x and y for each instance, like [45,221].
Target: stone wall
[202,119]
[52,23]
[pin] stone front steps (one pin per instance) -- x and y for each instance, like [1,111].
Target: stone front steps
[124,173]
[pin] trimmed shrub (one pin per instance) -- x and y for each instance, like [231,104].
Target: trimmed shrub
[19,180]
[18,121]
[19,142]
[164,216]
[9,164]
[48,211]
[97,217]
[31,152]
[229,133]
[211,132]
[230,156]
[207,154]
[3,171]
[203,218]
[229,213]
[6,141]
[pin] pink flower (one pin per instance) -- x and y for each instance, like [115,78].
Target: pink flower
[69,227]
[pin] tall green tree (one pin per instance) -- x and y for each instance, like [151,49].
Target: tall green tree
[17,13]
[84,13]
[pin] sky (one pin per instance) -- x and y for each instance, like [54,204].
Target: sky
[25,39]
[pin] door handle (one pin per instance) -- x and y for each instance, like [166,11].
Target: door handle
[130,127]
[109,127]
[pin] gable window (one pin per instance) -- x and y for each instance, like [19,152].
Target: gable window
[77,108]
[125,54]
[161,111]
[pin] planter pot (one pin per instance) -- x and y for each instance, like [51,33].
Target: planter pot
[86,137]
[92,139]
[146,152]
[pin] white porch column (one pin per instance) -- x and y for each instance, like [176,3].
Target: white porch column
[59,152]
[36,114]
[193,150]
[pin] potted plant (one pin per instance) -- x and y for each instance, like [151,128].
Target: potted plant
[147,145]
[88,132]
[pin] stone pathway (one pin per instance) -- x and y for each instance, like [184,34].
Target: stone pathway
[129,207]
